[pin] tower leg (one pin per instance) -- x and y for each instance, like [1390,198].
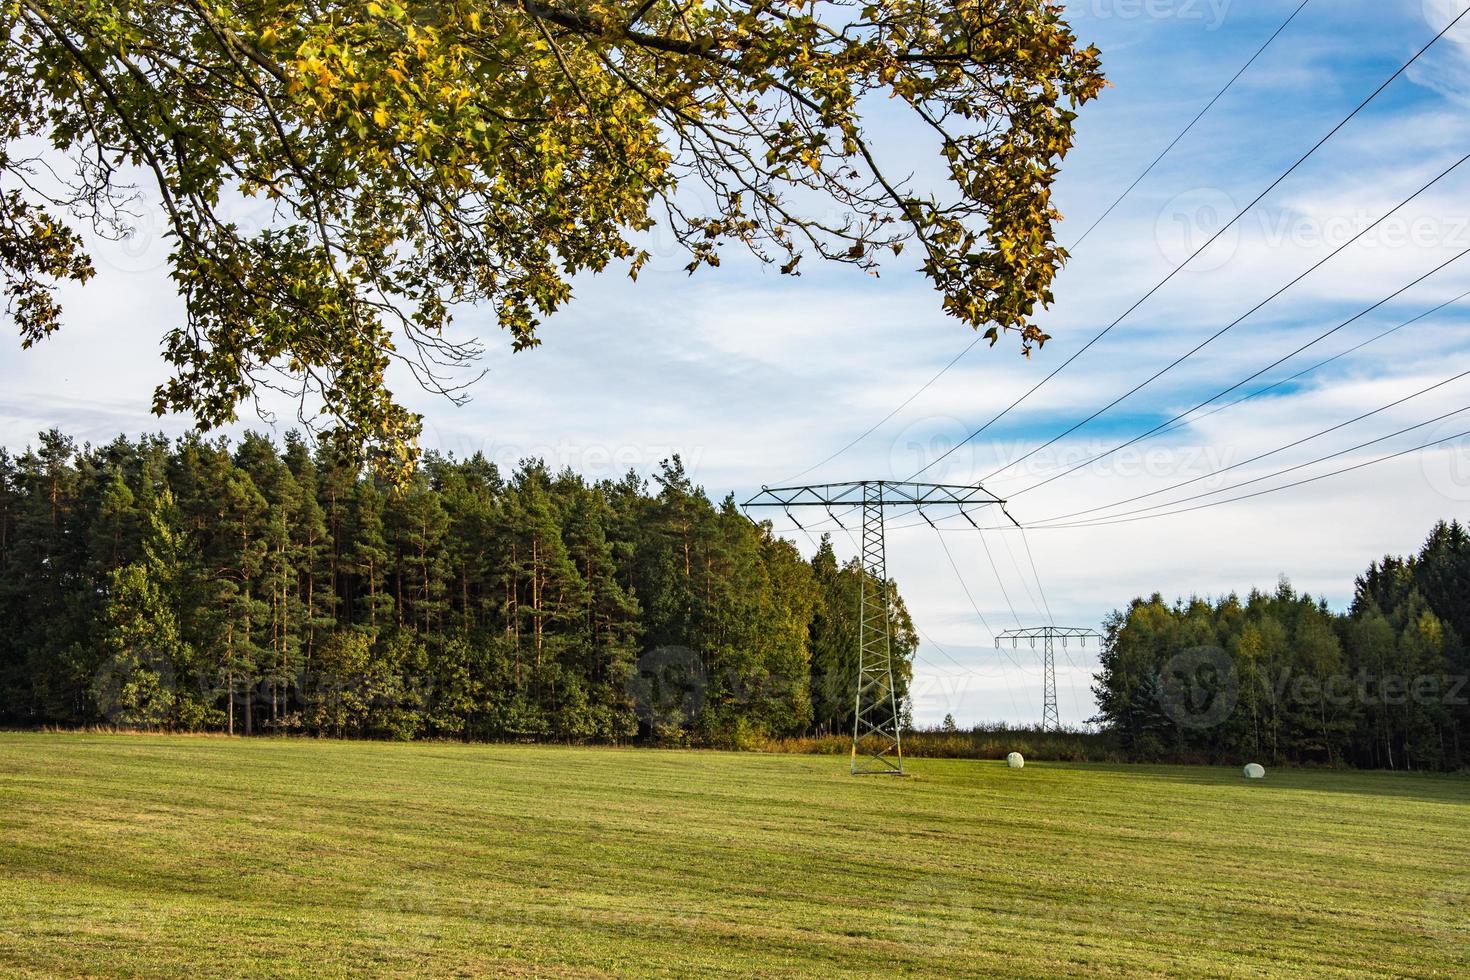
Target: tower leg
[1051,719]
[877,745]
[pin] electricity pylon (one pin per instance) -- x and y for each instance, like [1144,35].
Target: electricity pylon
[1050,717]
[877,742]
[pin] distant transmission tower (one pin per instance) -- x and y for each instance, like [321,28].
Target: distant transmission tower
[877,743]
[1051,719]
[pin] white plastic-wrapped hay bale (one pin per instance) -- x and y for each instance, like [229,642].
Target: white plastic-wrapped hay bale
[1255,771]
[1015,760]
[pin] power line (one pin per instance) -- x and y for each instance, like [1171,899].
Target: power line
[1256,459]
[883,421]
[1032,558]
[1320,364]
[1289,486]
[1127,518]
[959,577]
[920,629]
[1213,238]
[1073,247]
[1185,131]
[826,525]
[1244,381]
[966,672]
[1021,574]
[1257,393]
[1051,621]
[1226,329]
[1015,706]
[996,569]
[948,656]
[1144,515]
[908,527]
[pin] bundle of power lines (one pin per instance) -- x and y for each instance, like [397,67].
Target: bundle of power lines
[1148,506]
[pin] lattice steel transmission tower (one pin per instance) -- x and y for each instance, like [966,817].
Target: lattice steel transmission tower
[877,742]
[1051,719]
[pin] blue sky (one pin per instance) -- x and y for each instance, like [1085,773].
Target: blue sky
[754,377]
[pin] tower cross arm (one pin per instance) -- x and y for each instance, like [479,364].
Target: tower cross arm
[1041,632]
[881,493]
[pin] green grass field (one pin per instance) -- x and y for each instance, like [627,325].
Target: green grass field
[144,856]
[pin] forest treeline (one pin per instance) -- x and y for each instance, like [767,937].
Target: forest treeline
[197,585]
[1277,677]
[254,588]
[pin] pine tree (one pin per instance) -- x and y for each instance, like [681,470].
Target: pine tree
[234,551]
[415,524]
[833,639]
[14,677]
[311,546]
[364,563]
[468,605]
[606,628]
[138,682]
